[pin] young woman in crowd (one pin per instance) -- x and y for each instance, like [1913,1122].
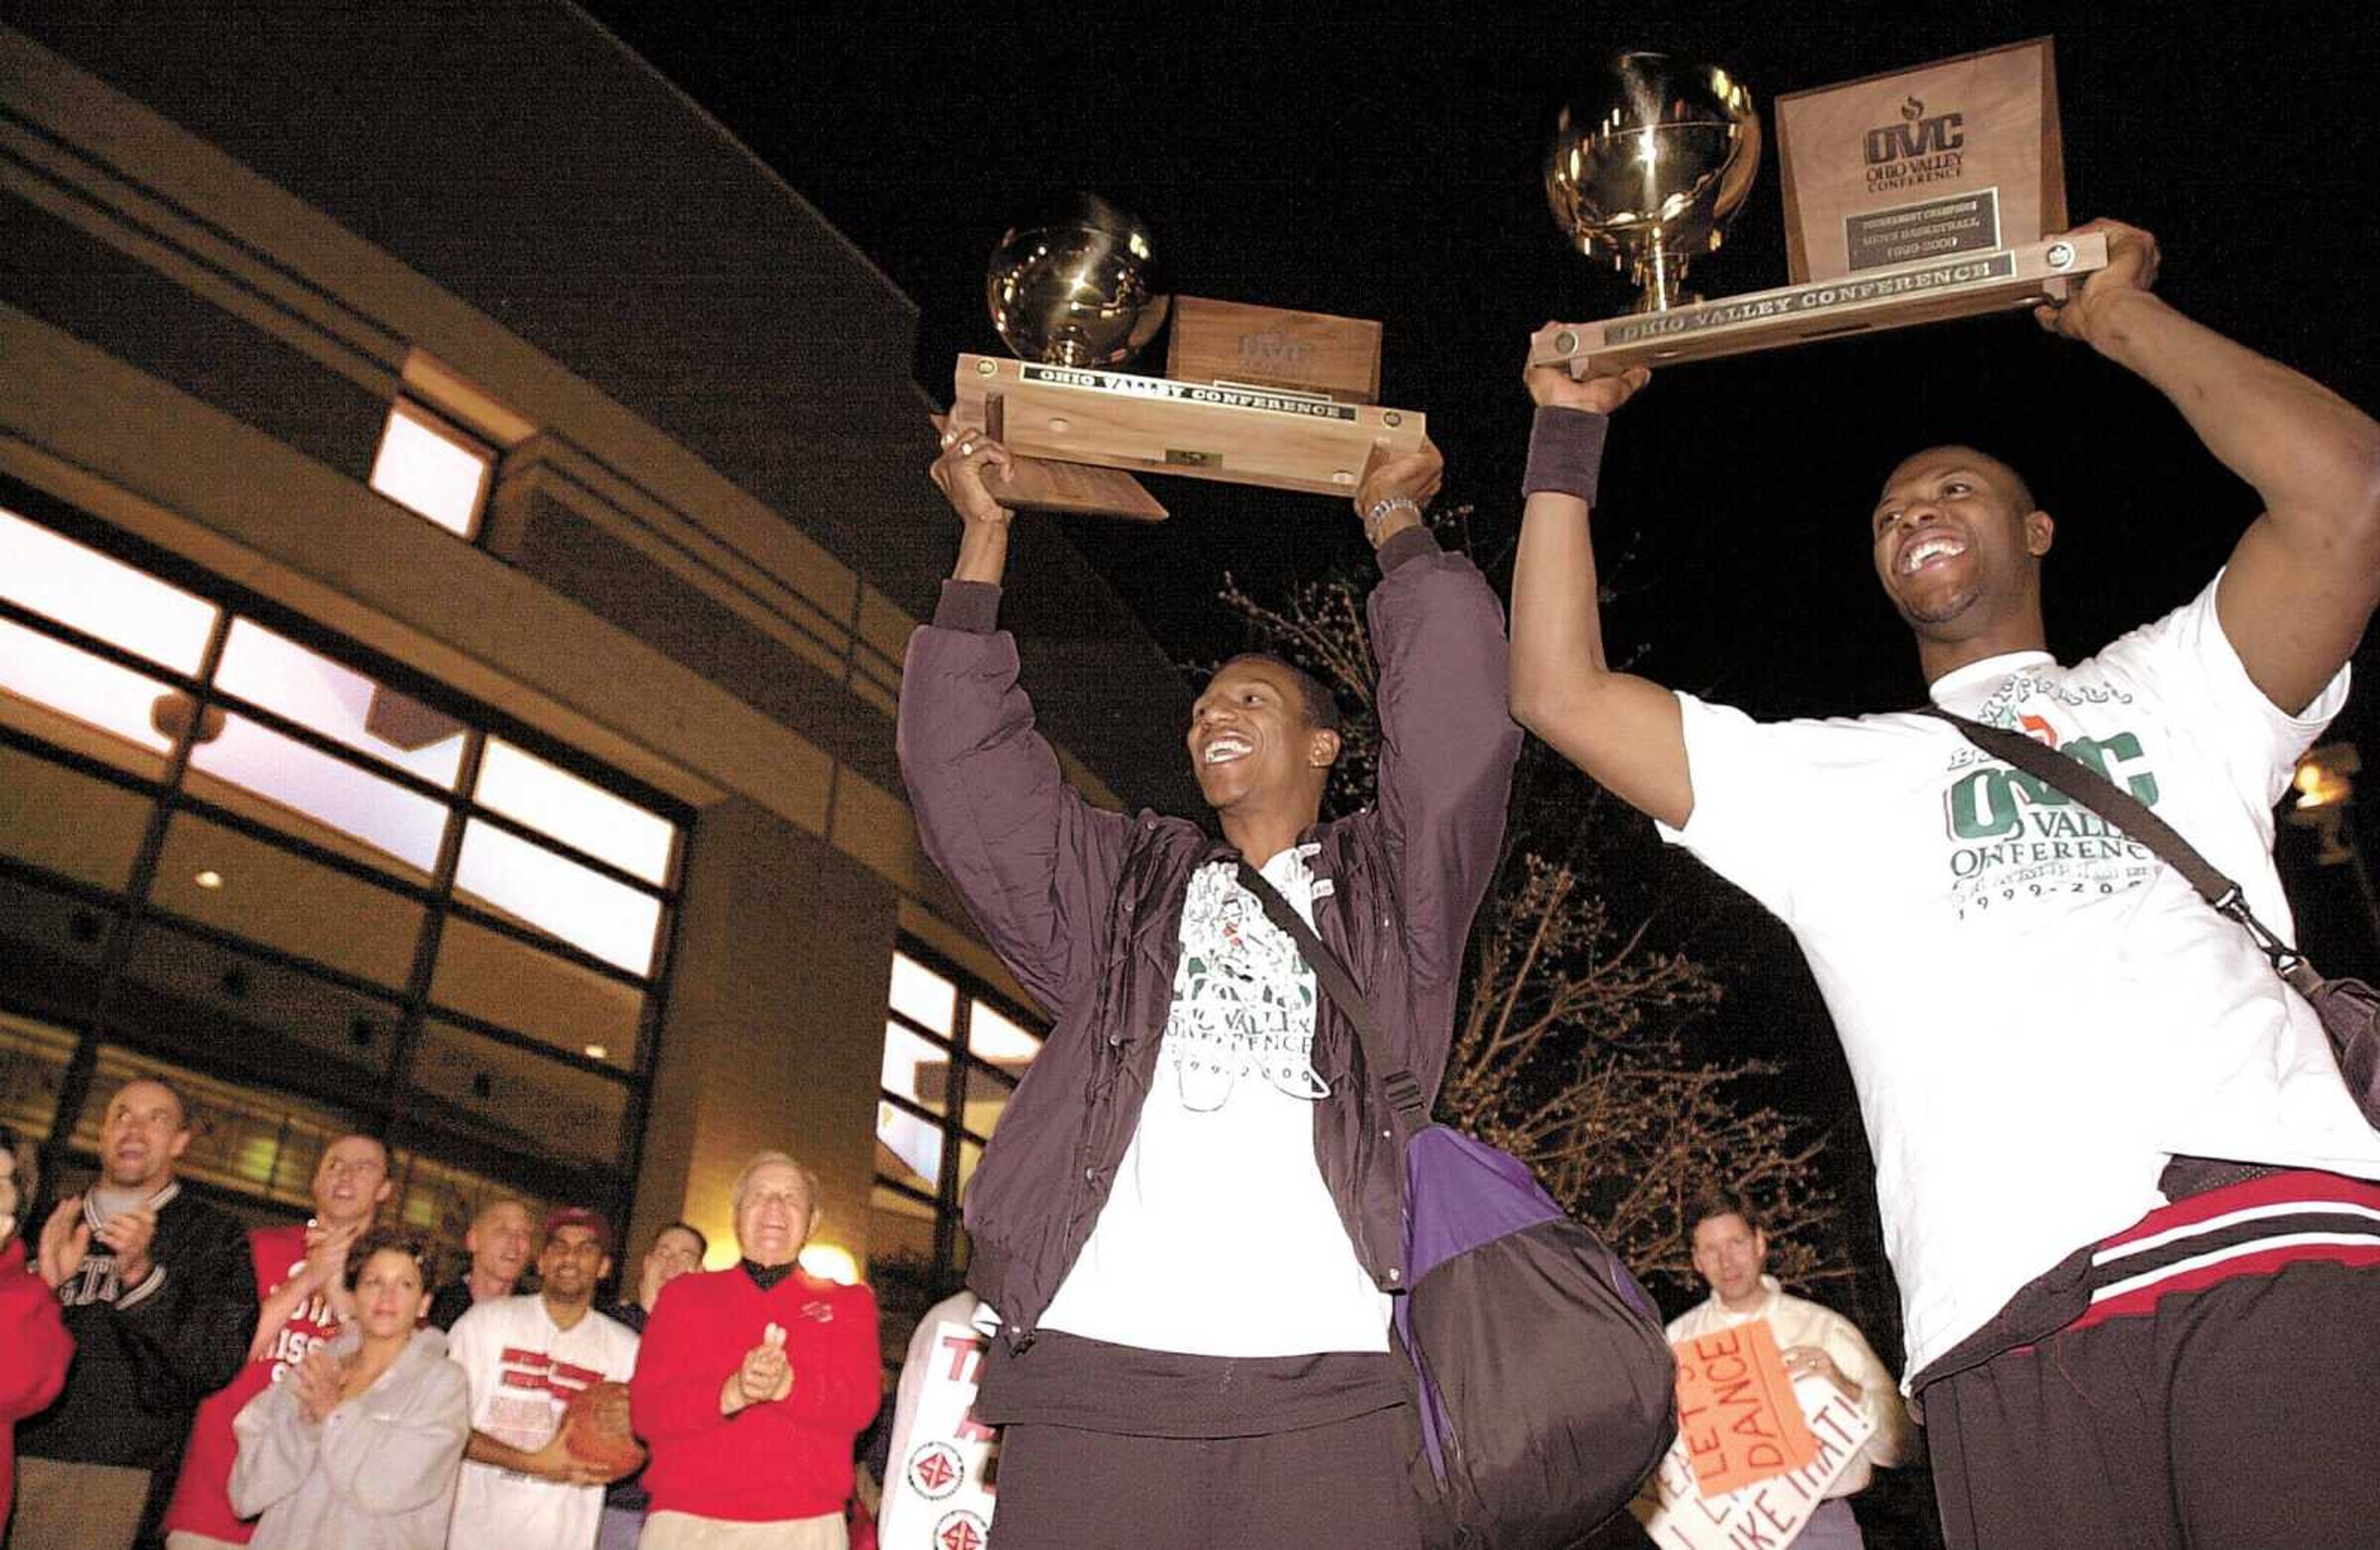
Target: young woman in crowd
[359,1446]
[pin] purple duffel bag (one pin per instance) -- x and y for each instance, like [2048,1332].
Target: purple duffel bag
[1547,1390]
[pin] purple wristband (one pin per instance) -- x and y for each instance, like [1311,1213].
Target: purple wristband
[1565,452]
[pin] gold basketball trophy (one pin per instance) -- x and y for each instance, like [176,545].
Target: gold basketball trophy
[1252,395]
[1910,198]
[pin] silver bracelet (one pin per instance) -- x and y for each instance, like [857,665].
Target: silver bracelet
[1381,512]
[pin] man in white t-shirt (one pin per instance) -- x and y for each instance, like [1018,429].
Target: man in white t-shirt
[2040,1018]
[1730,1253]
[527,1358]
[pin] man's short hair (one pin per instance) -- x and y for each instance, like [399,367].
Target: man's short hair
[760,1160]
[1321,709]
[2025,504]
[495,1202]
[181,1099]
[701,1243]
[1717,1200]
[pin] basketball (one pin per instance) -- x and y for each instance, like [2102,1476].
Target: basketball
[586,1433]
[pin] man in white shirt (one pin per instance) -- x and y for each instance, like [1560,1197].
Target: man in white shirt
[2052,1036]
[527,1358]
[1732,1257]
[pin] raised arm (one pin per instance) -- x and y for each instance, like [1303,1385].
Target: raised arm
[1447,743]
[1624,730]
[2305,576]
[1030,858]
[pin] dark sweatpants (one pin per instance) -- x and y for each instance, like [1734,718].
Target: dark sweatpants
[2232,1405]
[1339,1486]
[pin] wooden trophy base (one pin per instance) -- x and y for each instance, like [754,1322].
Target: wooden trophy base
[1281,439]
[1036,484]
[1869,301]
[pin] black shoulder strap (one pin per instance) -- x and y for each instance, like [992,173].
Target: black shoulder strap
[2104,797]
[1397,1083]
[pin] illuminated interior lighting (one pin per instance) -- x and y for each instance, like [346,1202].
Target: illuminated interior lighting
[209,878]
[430,470]
[831,1262]
[598,1052]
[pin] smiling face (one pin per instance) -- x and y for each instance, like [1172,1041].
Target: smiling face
[1730,1253]
[1957,543]
[773,1218]
[572,1262]
[142,1136]
[351,1182]
[1252,742]
[390,1296]
[499,1242]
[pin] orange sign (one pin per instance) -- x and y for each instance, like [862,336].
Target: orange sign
[1737,1416]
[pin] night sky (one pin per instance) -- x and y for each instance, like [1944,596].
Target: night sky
[1360,161]
[1347,160]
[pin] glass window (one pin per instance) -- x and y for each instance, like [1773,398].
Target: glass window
[915,1127]
[579,813]
[283,677]
[516,1100]
[532,884]
[281,929]
[311,784]
[916,1069]
[908,1150]
[221,878]
[69,823]
[922,996]
[496,979]
[42,924]
[986,1098]
[999,1039]
[33,1059]
[94,695]
[431,469]
[273,1016]
[899,1224]
[63,580]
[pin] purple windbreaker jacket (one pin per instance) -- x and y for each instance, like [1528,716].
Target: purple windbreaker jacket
[1084,906]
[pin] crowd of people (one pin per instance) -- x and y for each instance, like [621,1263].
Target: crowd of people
[2131,1207]
[313,1388]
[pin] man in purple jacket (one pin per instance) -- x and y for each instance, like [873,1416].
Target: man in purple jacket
[1189,1220]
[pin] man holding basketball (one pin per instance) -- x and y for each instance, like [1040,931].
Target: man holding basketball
[524,1486]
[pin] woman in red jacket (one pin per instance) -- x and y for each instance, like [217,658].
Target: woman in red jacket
[752,1384]
[34,1345]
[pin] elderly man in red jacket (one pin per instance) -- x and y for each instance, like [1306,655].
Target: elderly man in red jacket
[34,1345]
[1200,1106]
[753,1383]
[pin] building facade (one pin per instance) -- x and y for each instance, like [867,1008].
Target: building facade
[460,519]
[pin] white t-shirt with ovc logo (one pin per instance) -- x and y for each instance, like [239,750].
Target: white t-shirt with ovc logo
[1220,1236]
[524,1370]
[2037,1012]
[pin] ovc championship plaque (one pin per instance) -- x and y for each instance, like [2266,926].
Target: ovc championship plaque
[1911,197]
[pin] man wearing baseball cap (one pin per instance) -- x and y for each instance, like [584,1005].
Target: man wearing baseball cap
[527,1358]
